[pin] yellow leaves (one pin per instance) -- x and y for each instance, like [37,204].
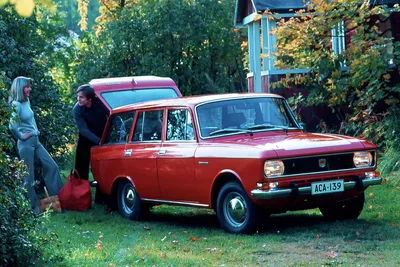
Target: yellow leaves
[386,76]
[3,2]
[23,7]
[83,10]
[244,45]
[257,17]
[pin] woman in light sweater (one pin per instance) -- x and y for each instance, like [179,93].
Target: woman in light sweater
[24,128]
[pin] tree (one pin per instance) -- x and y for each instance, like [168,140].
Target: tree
[194,43]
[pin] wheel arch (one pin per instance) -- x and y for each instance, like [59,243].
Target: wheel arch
[221,179]
[116,183]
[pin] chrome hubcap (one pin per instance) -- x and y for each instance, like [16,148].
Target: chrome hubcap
[235,209]
[129,198]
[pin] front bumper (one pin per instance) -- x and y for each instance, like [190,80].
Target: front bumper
[306,190]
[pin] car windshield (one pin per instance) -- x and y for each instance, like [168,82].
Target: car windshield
[236,116]
[121,98]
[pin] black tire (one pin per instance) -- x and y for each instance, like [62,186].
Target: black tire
[347,210]
[128,201]
[235,211]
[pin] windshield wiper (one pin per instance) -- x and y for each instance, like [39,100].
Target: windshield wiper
[268,126]
[229,130]
[261,126]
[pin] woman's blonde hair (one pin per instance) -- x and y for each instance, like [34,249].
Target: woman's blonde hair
[17,88]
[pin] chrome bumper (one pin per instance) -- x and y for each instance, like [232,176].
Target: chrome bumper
[306,190]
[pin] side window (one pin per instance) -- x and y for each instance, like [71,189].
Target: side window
[119,128]
[179,125]
[148,126]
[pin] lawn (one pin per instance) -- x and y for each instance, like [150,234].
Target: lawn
[177,236]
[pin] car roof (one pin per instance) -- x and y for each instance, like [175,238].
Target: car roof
[191,101]
[105,84]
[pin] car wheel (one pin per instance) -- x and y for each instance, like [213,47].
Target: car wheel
[349,209]
[128,201]
[235,211]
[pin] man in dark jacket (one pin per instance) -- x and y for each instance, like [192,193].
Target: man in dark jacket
[90,116]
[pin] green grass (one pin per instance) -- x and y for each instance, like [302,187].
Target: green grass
[177,236]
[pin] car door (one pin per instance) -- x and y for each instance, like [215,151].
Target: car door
[176,157]
[141,153]
[107,160]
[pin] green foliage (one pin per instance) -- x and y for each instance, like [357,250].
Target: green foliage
[17,245]
[68,10]
[31,50]
[390,160]
[355,84]
[193,43]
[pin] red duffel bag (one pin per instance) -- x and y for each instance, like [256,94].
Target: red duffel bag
[75,195]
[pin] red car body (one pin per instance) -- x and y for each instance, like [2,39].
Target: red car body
[243,155]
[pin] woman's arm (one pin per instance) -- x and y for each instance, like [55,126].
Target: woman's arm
[14,121]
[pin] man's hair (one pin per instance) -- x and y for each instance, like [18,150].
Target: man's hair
[87,91]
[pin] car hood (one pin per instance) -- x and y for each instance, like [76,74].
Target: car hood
[300,144]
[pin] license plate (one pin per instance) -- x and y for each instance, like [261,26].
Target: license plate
[327,187]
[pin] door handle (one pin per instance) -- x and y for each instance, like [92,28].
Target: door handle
[128,153]
[162,152]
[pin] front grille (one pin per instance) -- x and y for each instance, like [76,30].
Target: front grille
[314,164]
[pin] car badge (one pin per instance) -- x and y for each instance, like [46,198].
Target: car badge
[322,163]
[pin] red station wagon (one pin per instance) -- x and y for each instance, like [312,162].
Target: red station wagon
[243,155]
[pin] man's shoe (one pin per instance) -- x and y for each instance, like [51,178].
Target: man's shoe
[93,183]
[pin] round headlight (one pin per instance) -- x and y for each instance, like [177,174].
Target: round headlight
[362,159]
[273,168]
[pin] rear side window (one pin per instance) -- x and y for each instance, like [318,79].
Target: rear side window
[119,127]
[148,126]
[179,125]
[117,99]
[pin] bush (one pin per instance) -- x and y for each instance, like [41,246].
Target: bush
[390,160]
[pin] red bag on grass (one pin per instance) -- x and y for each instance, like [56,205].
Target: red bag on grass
[75,195]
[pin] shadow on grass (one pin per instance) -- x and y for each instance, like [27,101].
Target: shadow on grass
[287,223]
[184,217]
